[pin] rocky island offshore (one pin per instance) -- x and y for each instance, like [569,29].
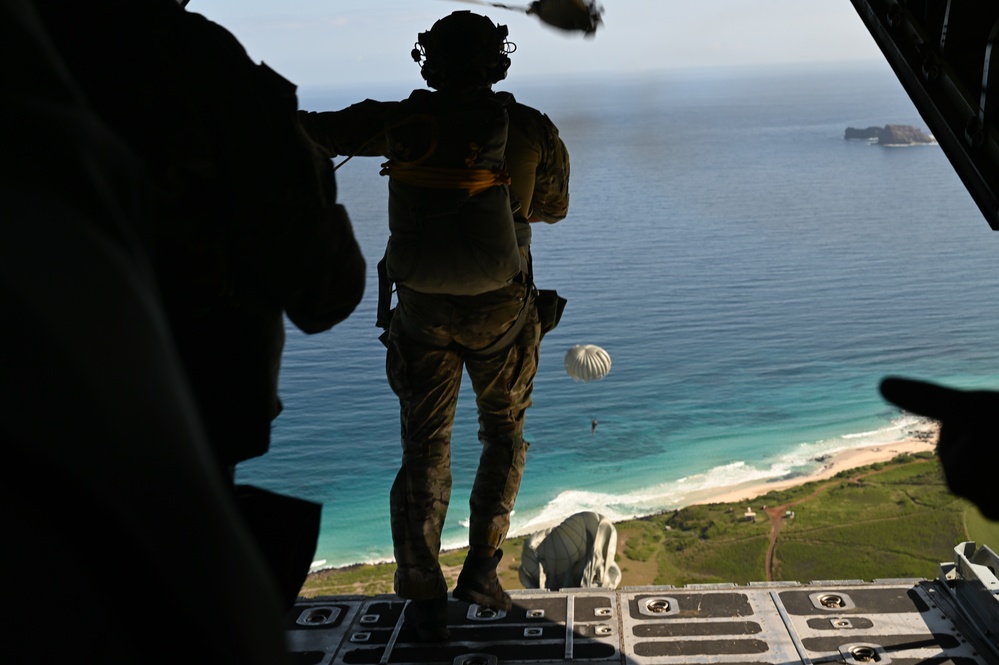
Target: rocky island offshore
[890,135]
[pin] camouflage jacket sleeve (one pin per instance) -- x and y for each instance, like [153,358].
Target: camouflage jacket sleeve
[538,163]
[356,130]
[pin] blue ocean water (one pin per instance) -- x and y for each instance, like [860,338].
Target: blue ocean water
[752,275]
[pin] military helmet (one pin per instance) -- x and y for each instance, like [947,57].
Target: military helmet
[463,50]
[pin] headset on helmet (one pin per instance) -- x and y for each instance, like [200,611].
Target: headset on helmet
[463,49]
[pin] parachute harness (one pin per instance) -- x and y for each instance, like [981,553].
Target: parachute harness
[412,172]
[475,181]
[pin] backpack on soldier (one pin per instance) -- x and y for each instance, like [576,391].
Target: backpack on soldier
[450,218]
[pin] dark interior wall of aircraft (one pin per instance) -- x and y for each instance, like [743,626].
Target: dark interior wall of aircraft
[945,54]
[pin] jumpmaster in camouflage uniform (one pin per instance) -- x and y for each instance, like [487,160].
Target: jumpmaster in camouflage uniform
[434,335]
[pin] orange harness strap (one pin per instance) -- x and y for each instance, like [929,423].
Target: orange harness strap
[475,181]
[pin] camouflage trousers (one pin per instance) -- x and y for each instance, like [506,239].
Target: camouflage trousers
[430,338]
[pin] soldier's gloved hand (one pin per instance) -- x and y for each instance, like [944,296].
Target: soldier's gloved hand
[969,435]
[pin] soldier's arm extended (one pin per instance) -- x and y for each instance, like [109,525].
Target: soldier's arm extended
[356,130]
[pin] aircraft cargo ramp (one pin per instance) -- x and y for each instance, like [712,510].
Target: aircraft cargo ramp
[952,619]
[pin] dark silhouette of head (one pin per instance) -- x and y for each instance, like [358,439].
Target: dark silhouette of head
[463,50]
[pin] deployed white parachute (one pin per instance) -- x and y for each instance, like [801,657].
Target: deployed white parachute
[587,362]
[579,552]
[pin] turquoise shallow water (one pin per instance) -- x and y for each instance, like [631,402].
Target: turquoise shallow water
[751,274]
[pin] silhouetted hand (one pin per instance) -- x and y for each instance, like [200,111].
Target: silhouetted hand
[969,435]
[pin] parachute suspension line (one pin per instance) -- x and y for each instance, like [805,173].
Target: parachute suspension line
[350,157]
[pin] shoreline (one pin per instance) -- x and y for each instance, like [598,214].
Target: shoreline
[924,440]
[921,438]
[918,437]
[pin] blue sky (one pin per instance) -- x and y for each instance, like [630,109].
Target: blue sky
[322,43]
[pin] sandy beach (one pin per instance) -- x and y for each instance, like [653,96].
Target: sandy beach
[921,440]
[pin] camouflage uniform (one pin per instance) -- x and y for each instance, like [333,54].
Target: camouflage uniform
[426,378]
[432,338]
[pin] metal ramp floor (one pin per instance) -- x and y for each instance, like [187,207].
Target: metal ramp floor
[953,619]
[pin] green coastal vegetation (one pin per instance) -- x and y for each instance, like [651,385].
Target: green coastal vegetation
[894,519]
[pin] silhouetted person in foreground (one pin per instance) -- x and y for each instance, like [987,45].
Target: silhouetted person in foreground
[247,227]
[968,446]
[122,544]
[459,258]
[244,228]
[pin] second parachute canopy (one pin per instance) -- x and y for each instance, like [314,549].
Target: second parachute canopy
[587,362]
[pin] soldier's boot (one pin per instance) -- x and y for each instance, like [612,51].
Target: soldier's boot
[430,619]
[478,582]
